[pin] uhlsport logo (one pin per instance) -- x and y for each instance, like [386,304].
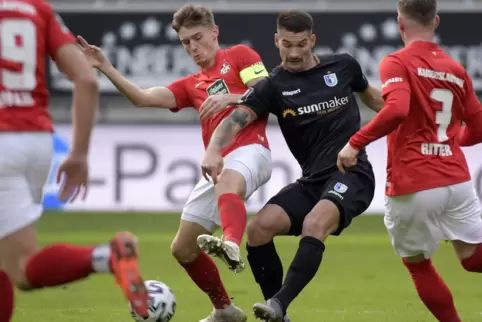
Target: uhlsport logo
[51,189]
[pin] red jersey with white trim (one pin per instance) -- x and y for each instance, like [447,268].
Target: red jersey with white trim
[29,31]
[233,69]
[424,150]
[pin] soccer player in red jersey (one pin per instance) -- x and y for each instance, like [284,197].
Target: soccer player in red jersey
[29,32]
[225,75]
[430,196]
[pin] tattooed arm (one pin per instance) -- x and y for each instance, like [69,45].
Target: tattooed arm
[230,127]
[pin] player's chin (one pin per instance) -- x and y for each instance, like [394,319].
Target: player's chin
[294,66]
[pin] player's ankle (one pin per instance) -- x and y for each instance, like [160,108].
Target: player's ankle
[101,259]
[232,243]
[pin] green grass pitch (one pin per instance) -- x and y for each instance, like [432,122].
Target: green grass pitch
[360,279]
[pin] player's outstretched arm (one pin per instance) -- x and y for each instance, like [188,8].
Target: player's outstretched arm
[230,127]
[372,97]
[223,135]
[160,97]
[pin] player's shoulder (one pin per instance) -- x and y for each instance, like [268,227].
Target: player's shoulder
[334,58]
[30,8]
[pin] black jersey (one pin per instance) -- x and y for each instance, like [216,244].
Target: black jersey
[317,110]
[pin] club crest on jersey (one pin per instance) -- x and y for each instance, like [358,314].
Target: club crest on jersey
[225,68]
[340,187]
[331,80]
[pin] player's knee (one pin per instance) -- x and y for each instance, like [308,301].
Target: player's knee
[15,270]
[260,232]
[231,181]
[184,252]
[321,222]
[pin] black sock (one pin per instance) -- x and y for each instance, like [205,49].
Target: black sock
[302,270]
[266,267]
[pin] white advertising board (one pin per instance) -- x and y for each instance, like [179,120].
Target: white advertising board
[154,168]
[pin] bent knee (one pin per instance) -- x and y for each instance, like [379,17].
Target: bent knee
[16,272]
[320,226]
[261,232]
[184,252]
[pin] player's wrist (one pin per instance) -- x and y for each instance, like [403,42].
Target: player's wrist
[355,145]
[105,67]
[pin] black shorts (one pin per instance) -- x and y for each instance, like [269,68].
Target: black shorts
[351,192]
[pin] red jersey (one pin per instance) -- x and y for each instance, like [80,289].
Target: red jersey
[29,31]
[233,69]
[432,95]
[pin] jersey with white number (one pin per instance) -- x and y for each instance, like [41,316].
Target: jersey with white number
[424,152]
[29,32]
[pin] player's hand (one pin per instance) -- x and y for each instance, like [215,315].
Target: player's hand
[94,54]
[214,104]
[347,158]
[212,165]
[73,174]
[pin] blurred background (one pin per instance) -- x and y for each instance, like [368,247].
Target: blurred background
[148,159]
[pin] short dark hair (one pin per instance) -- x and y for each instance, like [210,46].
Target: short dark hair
[192,15]
[422,11]
[295,21]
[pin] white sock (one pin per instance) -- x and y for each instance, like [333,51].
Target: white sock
[101,259]
[232,244]
[227,310]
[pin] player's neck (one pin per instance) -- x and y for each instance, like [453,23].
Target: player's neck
[311,63]
[419,36]
[212,61]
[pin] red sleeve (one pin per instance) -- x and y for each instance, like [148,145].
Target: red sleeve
[57,32]
[471,134]
[396,94]
[181,93]
[246,56]
[472,104]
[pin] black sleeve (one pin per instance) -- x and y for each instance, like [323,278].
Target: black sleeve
[359,82]
[259,98]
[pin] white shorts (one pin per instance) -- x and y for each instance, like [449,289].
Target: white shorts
[25,161]
[252,161]
[417,222]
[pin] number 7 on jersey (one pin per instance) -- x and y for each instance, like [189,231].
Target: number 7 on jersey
[443,117]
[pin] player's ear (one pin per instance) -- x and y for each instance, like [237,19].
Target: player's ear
[401,23]
[313,40]
[216,31]
[437,21]
[276,40]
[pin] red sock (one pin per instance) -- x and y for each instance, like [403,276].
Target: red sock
[433,291]
[205,274]
[7,298]
[59,264]
[474,262]
[232,213]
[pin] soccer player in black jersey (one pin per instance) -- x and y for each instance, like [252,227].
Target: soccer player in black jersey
[313,98]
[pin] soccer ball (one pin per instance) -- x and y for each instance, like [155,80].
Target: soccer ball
[162,303]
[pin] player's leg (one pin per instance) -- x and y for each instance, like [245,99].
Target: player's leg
[8,297]
[245,170]
[198,219]
[342,198]
[412,222]
[21,206]
[282,215]
[462,224]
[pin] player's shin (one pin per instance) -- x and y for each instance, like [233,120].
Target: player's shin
[232,213]
[302,270]
[433,291]
[205,274]
[59,264]
[7,298]
[266,267]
